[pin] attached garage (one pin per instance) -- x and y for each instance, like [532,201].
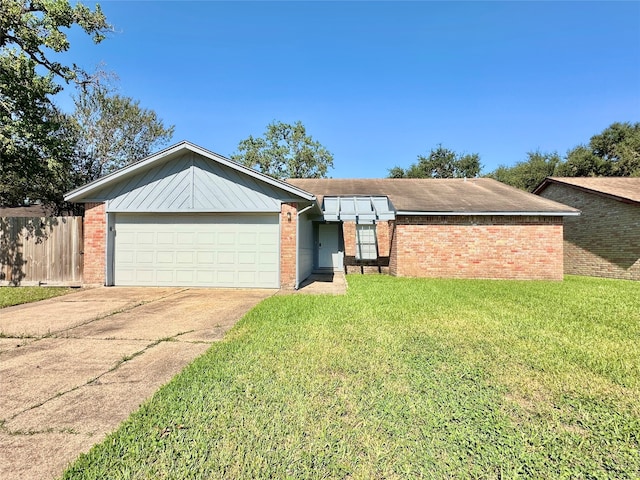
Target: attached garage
[196,250]
[189,217]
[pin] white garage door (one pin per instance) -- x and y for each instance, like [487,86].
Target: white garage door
[196,250]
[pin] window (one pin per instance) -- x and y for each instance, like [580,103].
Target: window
[366,245]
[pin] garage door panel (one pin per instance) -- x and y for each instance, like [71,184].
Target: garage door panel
[268,258]
[145,238]
[226,238]
[145,276]
[144,257]
[205,239]
[165,257]
[165,276]
[165,238]
[197,250]
[207,257]
[185,239]
[246,258]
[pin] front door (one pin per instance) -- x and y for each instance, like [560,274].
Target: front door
[329,254]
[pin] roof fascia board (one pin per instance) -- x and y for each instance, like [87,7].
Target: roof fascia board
[134,167]
[501,214]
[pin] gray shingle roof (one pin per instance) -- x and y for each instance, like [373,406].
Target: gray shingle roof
[446,196]
[624,188]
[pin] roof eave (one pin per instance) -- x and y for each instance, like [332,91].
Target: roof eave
[549,180]
[78,193]
[488,213]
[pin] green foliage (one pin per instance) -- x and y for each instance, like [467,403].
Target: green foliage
[527,175]
[403,378]
[582,162]
[613,153]
[440,163]
[113,131]
[18,295]
[36,139]
[285,151]
[35,27]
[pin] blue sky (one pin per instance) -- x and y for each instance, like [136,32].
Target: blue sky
[378,83]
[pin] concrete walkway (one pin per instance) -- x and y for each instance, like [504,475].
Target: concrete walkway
[333,283]
[72,368]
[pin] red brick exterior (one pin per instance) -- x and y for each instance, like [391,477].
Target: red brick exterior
[349,235]
[378,266]
[95,238]
[604,241]
[477,247]
[288,245]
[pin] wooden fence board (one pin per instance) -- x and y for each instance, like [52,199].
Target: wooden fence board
[37,250]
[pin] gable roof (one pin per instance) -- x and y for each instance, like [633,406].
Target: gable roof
[175,152]
[455,196]
[625,189]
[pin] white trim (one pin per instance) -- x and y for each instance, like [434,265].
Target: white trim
[78,193]
[502,214]
[194,210]
[300,212]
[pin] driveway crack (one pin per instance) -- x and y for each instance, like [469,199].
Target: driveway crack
[115,312]
[93,380]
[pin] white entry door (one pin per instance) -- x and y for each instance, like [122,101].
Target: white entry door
[197,250]
[329,254]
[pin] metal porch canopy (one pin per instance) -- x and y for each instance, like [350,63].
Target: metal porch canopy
[361,209]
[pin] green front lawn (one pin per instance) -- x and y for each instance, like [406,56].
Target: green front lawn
[403,378]
[17,295]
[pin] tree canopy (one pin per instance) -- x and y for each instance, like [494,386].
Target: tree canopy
[615,152]
[528,174]
[440,163]
[285,151]
[112,131]
[34,28]
[36,139]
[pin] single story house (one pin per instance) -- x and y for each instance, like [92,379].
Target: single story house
[605,240]
[189,217]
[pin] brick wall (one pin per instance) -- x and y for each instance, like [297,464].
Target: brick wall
[604,241]
[95,238]
[288,245]
[349,235]
[477,247]
[381,265]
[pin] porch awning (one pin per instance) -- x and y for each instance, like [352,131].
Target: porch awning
[361,209]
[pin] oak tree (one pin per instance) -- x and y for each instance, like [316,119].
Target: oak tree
[285,151]
[440,163]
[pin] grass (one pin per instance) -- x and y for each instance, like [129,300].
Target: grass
[17,295]
[403,378]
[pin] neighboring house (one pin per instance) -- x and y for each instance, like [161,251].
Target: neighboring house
[26,211]
[189,217]
[605,240]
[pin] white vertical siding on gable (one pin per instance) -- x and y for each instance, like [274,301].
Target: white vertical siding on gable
[192,183]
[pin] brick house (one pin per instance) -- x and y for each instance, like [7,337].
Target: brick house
[189,217]
[605,240]
[452,228]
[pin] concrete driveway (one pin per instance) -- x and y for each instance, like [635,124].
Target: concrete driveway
[72,368]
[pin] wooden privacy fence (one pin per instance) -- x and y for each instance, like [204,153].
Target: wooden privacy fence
[36,251]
